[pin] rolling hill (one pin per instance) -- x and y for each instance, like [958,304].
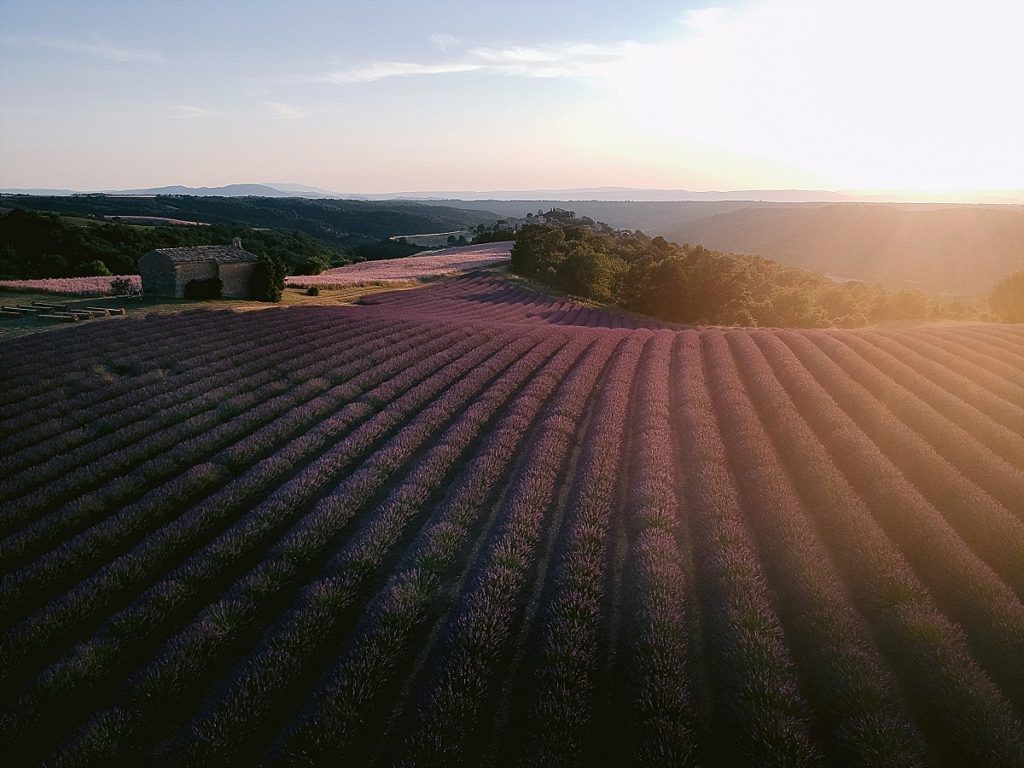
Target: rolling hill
[962,249]
[474,524]
[337,222]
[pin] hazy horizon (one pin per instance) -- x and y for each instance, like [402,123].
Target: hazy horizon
[910,100]
[581,194]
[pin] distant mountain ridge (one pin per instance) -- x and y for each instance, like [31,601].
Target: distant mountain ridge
[579,194]
[228,190]
[629,194]
[289,189]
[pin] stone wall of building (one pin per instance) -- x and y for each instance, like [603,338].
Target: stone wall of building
[157,273]
[188,271]
[236,280]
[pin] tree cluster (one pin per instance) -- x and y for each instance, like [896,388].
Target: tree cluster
[693,284]
[386,249]
[499,233]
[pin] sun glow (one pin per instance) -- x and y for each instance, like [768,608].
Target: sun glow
[910,99]
[901,95]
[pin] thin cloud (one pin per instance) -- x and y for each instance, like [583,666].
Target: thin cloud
[97,48]
[379,71]
[574,61]
[578,61]
[286,111]
[189,112]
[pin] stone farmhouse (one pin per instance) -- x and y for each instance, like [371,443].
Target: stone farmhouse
[168,271]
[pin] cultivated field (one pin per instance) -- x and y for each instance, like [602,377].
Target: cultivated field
[439,263]
[447,261]
[470,525]
[75,286]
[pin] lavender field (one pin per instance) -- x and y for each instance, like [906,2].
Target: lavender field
[436,264]
[471,524]
[75,286]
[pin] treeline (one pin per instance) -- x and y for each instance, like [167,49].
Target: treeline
[345,223]
[40,245]
[386,249]
[497,234]
[693,284]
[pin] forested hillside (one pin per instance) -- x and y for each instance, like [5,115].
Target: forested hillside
[337,222]
[961,249]
[693,284]
[36,245]
[308,235]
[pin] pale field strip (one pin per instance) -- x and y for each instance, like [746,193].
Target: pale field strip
[444,262]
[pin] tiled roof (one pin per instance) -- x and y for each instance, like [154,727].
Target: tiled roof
[222,254]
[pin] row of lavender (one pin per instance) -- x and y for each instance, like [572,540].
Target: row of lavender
[401,541]
[158,540]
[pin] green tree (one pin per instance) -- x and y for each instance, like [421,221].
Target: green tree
[268,278]
[795,307]
[313,264]
[537,248]
[592,274]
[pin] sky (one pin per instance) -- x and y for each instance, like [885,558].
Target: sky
[389,96]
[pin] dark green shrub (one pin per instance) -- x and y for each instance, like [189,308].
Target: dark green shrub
[313,264]
[268,278]
[92,268]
